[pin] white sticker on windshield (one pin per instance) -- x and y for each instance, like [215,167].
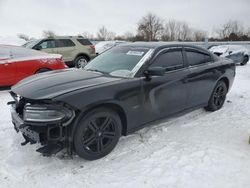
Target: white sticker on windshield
[137,53]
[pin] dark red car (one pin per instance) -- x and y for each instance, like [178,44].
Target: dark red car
[17,63]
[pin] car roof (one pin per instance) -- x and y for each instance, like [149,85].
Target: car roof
[65,37]
[156,45]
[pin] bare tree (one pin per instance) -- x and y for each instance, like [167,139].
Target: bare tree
[230,27]
[248,32]
[24,37]
[185,32]
[176,30]
[150,27]
[87,35]
[48,33]
[172,30]
[199,35]
[104,34]
[128,36]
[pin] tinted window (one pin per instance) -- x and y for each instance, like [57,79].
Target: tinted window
[64,43]
[48,44]
[84,42]
[196,58]
[169,59]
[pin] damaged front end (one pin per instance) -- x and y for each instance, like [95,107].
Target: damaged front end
[43,121]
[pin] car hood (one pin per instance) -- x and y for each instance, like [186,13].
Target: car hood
[52,84]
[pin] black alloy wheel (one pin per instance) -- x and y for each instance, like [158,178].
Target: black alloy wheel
[218,97]
[97,134]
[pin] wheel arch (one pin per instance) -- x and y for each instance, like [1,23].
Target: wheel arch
[109,105]
[42,68]
[82,54]
[226,80]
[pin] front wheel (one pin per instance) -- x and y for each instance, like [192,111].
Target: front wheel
[245,60]
[218,97]
[97,134]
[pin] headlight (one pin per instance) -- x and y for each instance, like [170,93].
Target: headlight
[46,113]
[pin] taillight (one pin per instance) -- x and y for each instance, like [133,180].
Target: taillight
[93,48]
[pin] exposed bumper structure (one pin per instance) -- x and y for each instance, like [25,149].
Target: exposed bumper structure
[53,136]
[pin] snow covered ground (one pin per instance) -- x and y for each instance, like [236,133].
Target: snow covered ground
[199,149]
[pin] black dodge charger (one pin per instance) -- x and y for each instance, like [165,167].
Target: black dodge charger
[86,111]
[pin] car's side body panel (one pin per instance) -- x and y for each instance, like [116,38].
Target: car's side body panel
[69,50]
[7,73]
[160,97]
[24,63]
[236,57]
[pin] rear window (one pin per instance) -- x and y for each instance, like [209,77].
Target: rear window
[169,59]
[4,53]
[23,52]
[64,43]
[197,58]
[84,42]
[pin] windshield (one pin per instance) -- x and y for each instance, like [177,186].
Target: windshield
[119,61]
[31,44]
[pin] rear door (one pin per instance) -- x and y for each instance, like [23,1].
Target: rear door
[235,53]
[7,67]
[66,48]
[202,76]
[167,94]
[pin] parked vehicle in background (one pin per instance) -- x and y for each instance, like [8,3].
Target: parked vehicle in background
[76,51]
[117,93]
[106,45]
[238,53]
[17,63]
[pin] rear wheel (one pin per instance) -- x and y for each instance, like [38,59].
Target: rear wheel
[97,134]
[81,61]
[218,97]
[245,60]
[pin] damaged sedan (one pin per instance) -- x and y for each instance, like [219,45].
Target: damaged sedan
[119,92]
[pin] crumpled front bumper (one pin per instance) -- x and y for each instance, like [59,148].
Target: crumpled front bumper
[19,125]
[52,137]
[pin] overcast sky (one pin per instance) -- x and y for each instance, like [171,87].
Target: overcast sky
[71,17]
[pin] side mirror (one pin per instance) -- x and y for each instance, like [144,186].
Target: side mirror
[154,71]
[38,47]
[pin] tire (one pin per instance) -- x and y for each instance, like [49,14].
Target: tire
[245,60]
[81,61]
[97,134]
[42,70]
[218,97]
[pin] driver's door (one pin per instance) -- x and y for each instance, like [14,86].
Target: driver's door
[7,68]
[47,45]
[167,94]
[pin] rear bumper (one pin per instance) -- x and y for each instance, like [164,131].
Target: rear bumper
[92,56]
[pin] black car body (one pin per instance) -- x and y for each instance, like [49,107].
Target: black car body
[166,80]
